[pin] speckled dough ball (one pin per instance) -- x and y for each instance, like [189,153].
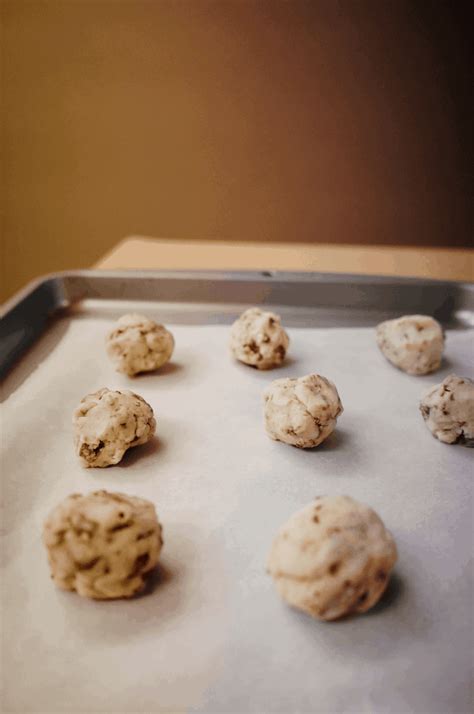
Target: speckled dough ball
[413,343]
[107,423]
[137,344]
[301,412]
[258,339]
[102,545]
[448,410]
[332,558]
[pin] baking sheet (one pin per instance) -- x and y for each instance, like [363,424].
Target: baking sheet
[211,634]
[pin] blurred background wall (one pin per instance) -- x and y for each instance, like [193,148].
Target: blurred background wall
[332,121]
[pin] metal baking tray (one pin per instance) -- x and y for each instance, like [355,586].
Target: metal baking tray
[210,634]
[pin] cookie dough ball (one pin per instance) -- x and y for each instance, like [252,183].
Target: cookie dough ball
[301,412]
[137,344]
[102,545]
[258,339]
[448,410]
[107,423]
[413,343]
[332,558]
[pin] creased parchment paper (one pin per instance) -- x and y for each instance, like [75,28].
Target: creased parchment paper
[211,634]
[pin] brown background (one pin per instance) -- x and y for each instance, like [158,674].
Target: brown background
[330,121]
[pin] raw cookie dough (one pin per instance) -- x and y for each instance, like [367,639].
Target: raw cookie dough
[108,423]
[332,558]
[137,344]
[103,544]
[301,412]
[258,339]
[448,410]
[413,343]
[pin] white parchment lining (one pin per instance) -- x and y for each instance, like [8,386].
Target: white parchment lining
[211,634]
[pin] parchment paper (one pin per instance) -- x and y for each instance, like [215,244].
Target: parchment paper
[211,634]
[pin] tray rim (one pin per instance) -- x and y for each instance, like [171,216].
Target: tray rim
[221,275]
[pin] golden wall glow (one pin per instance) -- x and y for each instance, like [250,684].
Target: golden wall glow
[243,120]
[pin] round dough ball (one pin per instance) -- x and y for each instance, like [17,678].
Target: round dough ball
[448,410]
[107,423]
[138,344]
[332,558]
[413,343]
[301,412]
[258,339]
[103,544]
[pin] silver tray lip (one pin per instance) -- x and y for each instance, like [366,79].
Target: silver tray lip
[226,275]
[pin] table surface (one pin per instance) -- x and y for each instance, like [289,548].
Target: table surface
[140,252]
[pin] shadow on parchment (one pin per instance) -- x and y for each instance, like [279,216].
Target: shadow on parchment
[170,368]
[139,453]
[339,439]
